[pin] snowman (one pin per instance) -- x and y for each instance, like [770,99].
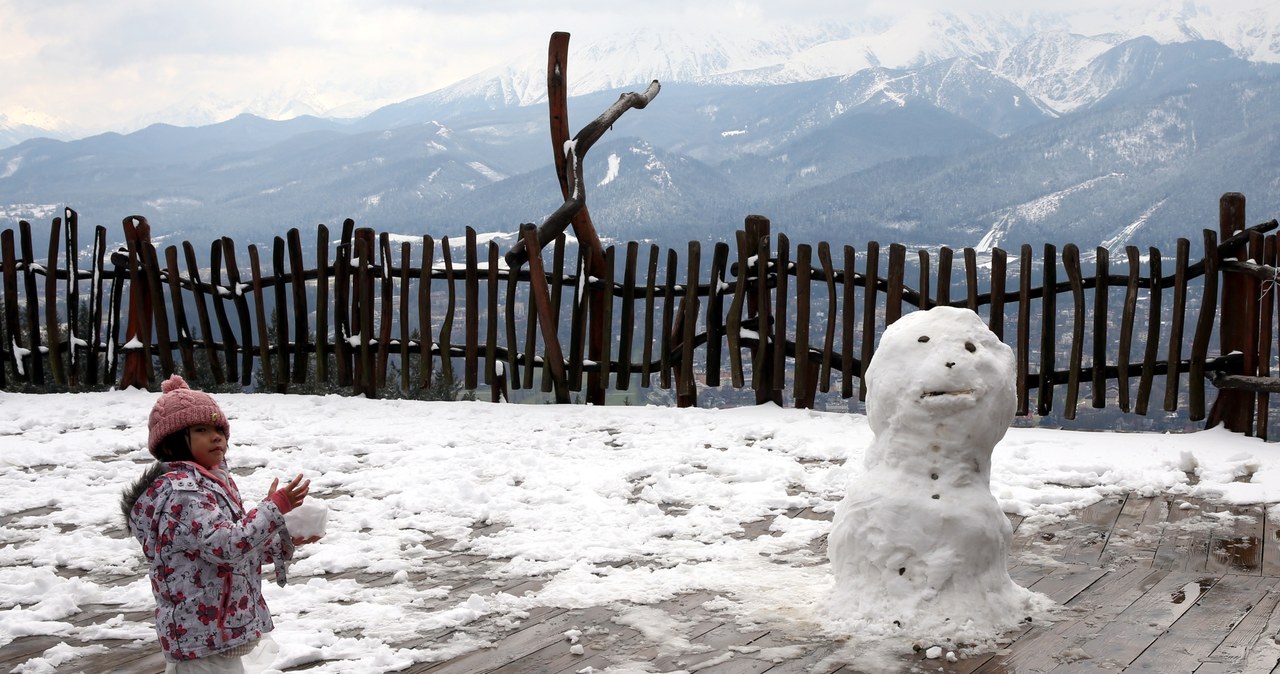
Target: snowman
[919,544]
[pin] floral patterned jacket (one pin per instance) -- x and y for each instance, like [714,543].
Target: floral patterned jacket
[206,554]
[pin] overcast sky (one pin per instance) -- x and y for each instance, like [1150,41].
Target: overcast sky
[114,65]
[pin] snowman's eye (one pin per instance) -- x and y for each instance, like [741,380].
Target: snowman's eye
[923,339]
[968,346]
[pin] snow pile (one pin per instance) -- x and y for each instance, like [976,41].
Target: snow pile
[919,545]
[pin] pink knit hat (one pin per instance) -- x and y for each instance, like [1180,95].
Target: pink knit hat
[179,407]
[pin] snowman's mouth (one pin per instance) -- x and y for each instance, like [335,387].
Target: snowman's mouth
[959,392]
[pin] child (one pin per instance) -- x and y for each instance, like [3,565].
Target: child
[204,548]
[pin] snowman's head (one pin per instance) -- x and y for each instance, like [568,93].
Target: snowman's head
[943,369]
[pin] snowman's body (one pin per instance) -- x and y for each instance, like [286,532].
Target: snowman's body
[919,539]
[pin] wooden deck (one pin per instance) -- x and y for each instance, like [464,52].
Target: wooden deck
[1146,584]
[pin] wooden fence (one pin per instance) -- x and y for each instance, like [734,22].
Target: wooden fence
[783,321]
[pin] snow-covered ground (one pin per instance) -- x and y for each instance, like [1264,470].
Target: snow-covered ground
[575,489]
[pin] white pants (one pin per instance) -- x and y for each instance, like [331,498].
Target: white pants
[213,664]
[256,661]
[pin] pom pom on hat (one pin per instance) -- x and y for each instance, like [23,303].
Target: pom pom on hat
[179,407]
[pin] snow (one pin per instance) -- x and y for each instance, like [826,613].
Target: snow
[570,491]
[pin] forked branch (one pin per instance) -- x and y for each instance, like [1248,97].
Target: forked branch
[575,149]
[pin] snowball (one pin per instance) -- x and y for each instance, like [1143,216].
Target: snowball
[933,653]
[307,520]
[576,649]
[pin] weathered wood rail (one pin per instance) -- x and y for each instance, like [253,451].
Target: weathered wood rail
[788,322]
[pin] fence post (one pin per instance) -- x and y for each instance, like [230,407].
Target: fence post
[1232,407]
[757,227]
[137,360]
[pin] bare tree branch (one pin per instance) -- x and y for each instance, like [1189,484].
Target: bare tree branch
[575,149]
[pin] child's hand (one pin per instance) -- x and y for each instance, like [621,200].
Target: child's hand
[298,540]
[295,491]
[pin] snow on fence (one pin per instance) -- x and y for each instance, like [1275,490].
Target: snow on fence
[772,320]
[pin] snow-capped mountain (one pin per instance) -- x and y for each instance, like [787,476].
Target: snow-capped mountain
[22,123]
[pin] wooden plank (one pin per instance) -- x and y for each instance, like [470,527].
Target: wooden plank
[780,313]
[971,278]
[425,330]
[9,267]
[159,310]
[406,336]
[259,307]
[242,310]
[1084,539]
[202,313]
[1071,263]
[491,364]
[279,316]
[606,642]
[557,292]
[762,374]
[52,326]
[387,294]
[1126,326]
[828,342]
[1251,643]
[97,273]
[1176,321]
[542,301]
[342,301]
[945,255]
[897,276]
[512,334]
[605,303]
[804,279]
[1204,626]
[650,294]
[1265,328]
[1024,330]
[999,272]
[220,296]
[1134,537]
[362,314]
[36,363]
[1270,544]
[532,321]
[298,283]
[322,307]
[922,261]
[451,307]
[471,313]
[185,345]
[1045,648]
[1101,298]
[577,322]
[715,312]
[1048,330]
[627,330]
[733,331]
[687,388]
[1153,331]
[1176,540]
[75,342]
[1121,640]
[1235,544]
[849,325]
[870,287]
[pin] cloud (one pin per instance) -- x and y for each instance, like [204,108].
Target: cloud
[118,65]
